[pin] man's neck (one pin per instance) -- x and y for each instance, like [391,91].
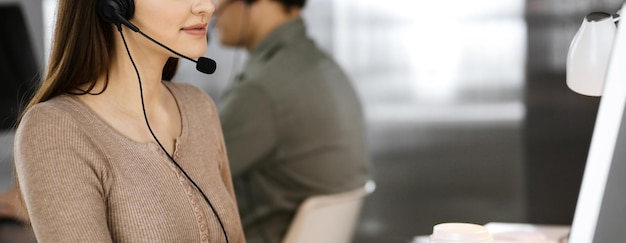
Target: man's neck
[265,28]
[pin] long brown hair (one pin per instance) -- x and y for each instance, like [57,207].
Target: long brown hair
[82,50]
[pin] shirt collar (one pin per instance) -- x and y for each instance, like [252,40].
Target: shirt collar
[290,32]
[284,34]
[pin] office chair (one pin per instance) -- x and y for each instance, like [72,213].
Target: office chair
[328,218]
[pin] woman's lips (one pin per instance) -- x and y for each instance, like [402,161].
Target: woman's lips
[197,29]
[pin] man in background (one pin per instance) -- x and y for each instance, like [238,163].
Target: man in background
[292,122]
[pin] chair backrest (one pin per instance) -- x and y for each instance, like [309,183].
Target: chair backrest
[328,218]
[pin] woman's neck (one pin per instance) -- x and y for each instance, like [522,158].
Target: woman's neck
[274,16]
[120,105]
[123,80]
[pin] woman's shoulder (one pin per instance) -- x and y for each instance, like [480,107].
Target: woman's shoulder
[188,92]
[184,87]
[61,114]
[54,110]
[56,119]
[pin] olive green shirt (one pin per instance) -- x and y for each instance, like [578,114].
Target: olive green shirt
[294,128]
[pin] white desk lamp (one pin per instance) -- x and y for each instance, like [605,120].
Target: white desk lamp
[589,54]
[596,62]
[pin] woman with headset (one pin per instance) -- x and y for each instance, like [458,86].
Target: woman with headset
[109,152]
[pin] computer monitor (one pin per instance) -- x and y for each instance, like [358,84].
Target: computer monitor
[601,208]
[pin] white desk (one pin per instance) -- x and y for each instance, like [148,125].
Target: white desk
[520,233]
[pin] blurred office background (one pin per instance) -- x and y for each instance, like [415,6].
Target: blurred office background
[469,117]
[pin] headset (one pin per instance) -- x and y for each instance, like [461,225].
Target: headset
[118,12]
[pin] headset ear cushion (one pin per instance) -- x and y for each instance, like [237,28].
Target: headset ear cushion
[110,11]
[128,9]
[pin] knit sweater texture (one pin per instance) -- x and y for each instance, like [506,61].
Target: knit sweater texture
[83,181]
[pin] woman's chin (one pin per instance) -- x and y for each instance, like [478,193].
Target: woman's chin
[195,53]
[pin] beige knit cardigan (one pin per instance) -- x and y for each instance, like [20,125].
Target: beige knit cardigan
[83,181]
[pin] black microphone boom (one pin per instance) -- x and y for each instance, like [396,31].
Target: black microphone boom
[109,11]
[203,64]
[206,65]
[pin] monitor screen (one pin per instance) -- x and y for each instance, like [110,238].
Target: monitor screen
[601,208]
